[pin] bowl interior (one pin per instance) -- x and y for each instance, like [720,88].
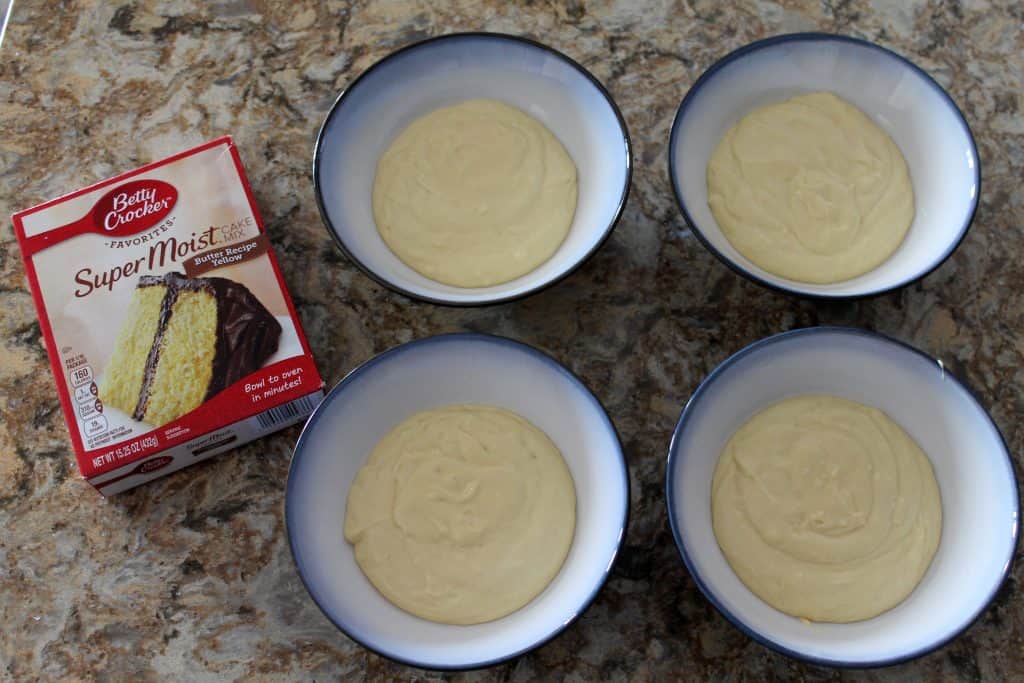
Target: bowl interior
[445,71]
[912,109]
[976,483]
[428,374]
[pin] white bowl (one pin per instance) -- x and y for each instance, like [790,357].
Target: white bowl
[424,374]
[980,504]
[901,98]
[438,72]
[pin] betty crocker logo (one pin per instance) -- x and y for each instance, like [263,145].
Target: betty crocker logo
[128,209]
[133,207]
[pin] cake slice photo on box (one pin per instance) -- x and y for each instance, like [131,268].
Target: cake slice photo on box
[182,341]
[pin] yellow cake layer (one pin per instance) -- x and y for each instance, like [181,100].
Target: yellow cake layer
[185,365]
[123,376]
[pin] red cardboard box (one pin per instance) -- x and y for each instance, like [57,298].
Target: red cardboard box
[170,332]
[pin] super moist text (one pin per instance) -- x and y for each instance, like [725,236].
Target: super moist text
[167,250]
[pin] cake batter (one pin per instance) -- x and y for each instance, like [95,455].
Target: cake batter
[462,514]
[826,509]
[810,189]
[475,194]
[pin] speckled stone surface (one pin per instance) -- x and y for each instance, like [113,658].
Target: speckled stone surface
[190,578]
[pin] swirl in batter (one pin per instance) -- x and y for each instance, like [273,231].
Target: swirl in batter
[462,514]
[826,509]
[811,189]
[474,195]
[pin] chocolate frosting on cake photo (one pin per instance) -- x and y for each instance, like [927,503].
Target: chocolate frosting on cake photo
[183,340]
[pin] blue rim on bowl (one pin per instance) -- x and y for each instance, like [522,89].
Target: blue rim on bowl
[392,354]
[708,75]
[671,497]
[550,51]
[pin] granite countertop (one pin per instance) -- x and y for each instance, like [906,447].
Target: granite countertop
[189,578]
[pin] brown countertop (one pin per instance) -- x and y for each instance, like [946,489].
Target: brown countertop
[189,578]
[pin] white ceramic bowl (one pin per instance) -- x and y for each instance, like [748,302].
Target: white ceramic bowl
[901,98]
[424,374]
[980,505]
[415,80]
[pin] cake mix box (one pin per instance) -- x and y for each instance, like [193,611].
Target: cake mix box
[169,329]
